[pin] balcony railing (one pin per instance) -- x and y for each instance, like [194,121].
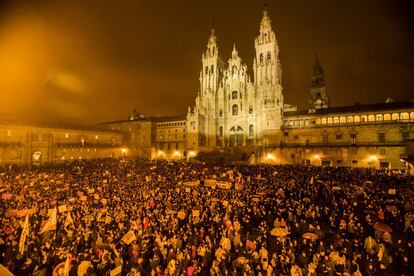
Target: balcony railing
[10,144]
[87,145]
[348,124]
[338,144]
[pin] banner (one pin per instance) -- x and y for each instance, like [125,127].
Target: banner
[212,183]
[196,213]
[392,191]
[116,271]
[24,234]
[192,183]
[62,208]
[223,185]
[6,196]
[238,186]
[129,237]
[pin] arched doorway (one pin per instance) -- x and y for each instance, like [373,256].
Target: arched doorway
[37,158]
[236,136]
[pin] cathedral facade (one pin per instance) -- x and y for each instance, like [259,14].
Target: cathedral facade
[232,109]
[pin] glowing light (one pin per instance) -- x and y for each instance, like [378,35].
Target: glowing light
[124,150]
[270,156]
[316,156]
[373,158]
[160,152]
[176,153]
[192,153]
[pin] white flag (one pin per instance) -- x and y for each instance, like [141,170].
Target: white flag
[68,219]
[24,234]
[51,222]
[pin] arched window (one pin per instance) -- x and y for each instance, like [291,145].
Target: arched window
[206,70]
[404,116]
[378,117]
[234,95]
[221,132]
[395,116]
[251,130]
[261,57]
[235,109]
[212,68]
[269,56]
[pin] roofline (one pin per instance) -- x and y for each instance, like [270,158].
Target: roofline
[354,108]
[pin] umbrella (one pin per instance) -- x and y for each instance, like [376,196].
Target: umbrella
[391,208]
[4,271]
[306,199]
[279,232]
[88,218]
[83,268]
[369,211]
[310,236]
[382,227]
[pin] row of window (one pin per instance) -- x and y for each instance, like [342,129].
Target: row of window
[404,116]
[171,124]
[405,135]
[169,130]
[169,146]
[161,137]
[40,137]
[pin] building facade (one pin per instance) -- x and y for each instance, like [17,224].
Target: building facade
[37,145]
[231,109]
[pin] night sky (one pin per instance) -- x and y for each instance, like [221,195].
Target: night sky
[89,61]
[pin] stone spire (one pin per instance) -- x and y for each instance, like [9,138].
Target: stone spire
[234,53]
[266,23]
[318,76]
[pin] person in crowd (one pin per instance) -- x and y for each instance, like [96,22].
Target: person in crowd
[130,217]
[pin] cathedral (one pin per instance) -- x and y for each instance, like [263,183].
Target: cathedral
[233,109]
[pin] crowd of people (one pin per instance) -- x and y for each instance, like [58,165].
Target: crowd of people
[174,218]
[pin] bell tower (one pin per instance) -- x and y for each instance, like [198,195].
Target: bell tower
[267,79]
[211,66]
[318,98]
[266,63]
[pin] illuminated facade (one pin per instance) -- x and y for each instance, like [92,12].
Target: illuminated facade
[29,145]
[232,110]
[371,135]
